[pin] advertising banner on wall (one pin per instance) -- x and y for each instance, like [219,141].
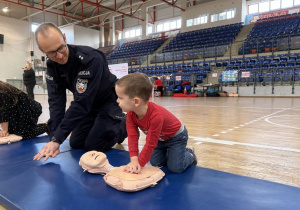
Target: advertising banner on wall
[214,74]
[119,70]
[178,78]
[252,18]
[245,74]
[230,76]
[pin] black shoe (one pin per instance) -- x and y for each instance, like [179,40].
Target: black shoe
[192,152]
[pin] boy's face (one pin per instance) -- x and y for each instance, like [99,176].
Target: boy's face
[126,103]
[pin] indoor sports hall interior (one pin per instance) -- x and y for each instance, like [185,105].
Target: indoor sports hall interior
[231,74]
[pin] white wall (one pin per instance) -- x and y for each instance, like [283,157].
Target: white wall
[69,32]
[131,22]
[162,12]
[19,12]
[244,11]
[16,48]
[19,41]
[210,8]
[44,17]
[85,36]
[165,11]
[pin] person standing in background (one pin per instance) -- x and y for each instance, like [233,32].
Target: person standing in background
[29,79]
[160,86]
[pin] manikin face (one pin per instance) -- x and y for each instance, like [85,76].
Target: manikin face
[95,162]
[54,45]
[94,158]
[125,103]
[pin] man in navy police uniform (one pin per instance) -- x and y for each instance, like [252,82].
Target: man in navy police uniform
[94,117]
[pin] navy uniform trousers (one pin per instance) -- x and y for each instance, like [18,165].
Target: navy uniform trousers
[99,132]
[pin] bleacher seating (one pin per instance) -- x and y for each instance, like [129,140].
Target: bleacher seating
[196,71]
[107,50]
[203,43]
[221,35]
[273,35]
[278,69]
[266,36]
[135,52]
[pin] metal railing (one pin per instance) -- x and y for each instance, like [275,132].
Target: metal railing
[275,44]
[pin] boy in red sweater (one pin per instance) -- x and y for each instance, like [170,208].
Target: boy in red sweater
[166,136]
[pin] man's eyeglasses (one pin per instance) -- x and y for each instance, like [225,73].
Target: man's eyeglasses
[61,49]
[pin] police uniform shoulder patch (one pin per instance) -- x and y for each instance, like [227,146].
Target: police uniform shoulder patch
[81,85]
[49,77]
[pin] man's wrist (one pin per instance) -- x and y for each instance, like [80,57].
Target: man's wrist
[53,139]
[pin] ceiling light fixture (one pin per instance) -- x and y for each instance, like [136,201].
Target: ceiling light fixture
[68,3]
[5,9]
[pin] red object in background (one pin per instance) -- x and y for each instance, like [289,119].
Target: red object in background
[158,83]
[274,15]
[185,83]
[184,95]
[185,91]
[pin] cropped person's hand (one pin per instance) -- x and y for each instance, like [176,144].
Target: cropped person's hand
[51,149]
[133,167]
[3,133]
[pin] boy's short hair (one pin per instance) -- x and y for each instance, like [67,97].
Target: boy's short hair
[136,85]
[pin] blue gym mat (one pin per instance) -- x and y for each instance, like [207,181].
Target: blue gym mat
[25,150]
[60,183]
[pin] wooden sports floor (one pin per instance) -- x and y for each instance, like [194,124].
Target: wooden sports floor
[254,137]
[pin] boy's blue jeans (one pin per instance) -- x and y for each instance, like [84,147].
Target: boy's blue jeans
[172,153]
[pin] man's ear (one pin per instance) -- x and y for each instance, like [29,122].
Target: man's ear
[64,35]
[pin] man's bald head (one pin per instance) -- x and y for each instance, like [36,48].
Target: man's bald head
[43,30]
[52,42]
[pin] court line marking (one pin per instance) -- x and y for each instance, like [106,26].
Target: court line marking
[245,124]
[250,107]
[286,126]
[210,140]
